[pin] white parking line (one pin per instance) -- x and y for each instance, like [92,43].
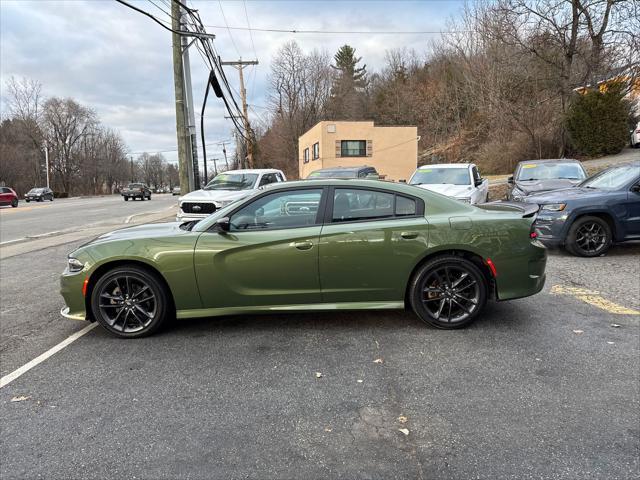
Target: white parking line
[7,379]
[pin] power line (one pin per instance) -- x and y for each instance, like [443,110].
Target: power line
[253,46]
[159,22]
[345,32]
[228,29]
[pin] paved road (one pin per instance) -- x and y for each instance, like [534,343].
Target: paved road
[543,387]
[35,218]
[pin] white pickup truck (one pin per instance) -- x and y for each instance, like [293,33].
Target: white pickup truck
[461,181]
[225,188]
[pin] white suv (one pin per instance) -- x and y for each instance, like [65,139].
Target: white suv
[461,181]
[225,188]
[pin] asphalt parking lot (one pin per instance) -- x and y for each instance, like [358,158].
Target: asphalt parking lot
[543,387]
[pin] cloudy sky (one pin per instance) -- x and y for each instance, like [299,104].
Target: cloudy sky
[118,61]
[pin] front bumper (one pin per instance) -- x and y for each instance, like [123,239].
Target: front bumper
[71,290]
[190,217]
[550,227]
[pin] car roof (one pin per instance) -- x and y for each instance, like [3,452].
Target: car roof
[551,160]
[253,170]
[332,169]
[446,165]
[352,182]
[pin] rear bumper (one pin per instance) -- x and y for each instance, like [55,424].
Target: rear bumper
[522,275]
[67,313]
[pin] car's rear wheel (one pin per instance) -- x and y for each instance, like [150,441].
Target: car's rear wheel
[14,202]
[589,237]
[448,292]
[126,199]
[129,302]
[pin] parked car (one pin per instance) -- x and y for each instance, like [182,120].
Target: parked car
[175,190]
[635,136]
[589,218]
[136,190]
[537,176]
[362,171]
[461,181]
[225,188]
[321,245]
[8,197]
[39,194]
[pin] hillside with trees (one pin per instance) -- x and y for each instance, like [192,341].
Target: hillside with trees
[500,87]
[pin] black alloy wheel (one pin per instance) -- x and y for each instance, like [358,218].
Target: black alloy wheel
[129,302]
[448,292]
[589,237]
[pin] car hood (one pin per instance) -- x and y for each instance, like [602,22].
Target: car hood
[536,186]
[216,195]
[448,189]
[564,195]
[151,230]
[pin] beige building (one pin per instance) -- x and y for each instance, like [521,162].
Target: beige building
[393,151]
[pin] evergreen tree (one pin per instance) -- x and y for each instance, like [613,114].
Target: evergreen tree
[347,65]
[597,121]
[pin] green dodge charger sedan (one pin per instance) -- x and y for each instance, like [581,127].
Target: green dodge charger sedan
[306,246]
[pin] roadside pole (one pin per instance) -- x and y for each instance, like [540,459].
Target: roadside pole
[178,83]
[240,64]
[46,161]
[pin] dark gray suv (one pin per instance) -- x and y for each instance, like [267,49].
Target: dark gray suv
[589,218]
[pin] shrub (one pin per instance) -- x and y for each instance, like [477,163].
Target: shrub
[597,121]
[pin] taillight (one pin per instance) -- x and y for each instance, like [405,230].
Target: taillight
[84,286]
[533,235]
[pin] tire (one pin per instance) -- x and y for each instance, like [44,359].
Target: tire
[51,199]
[126,199]
[14,203]
[27,200]
[448,292]
[589,236]
[149,197]
[120,314]
[41,199]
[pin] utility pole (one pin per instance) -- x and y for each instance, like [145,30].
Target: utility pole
[46,161]
[178,83]
[224,150]
[192,145]
[131,165]
[239,65]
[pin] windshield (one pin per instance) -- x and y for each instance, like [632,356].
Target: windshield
[232,181]
[613,178]
[134,185]
[550,171]
[36,190]
[333,174]
[432,176]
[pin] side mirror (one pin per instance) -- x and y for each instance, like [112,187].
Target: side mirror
[510,180]
[479,182]
[636,188]
[222,225]
[372,176]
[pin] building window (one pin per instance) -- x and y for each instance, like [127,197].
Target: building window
[306,155]
[316,151]
[353,148]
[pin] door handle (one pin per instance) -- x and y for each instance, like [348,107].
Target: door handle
[303,245]
[409,235]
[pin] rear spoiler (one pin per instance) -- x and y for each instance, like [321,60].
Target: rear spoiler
[526,209]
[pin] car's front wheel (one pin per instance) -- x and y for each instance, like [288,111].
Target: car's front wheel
[448,292]
[589,237]
[130,302]
[126,199]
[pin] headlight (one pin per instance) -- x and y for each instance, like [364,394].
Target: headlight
[554,207]
[464,200]
[223,203]
[74,265]
[517,194]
